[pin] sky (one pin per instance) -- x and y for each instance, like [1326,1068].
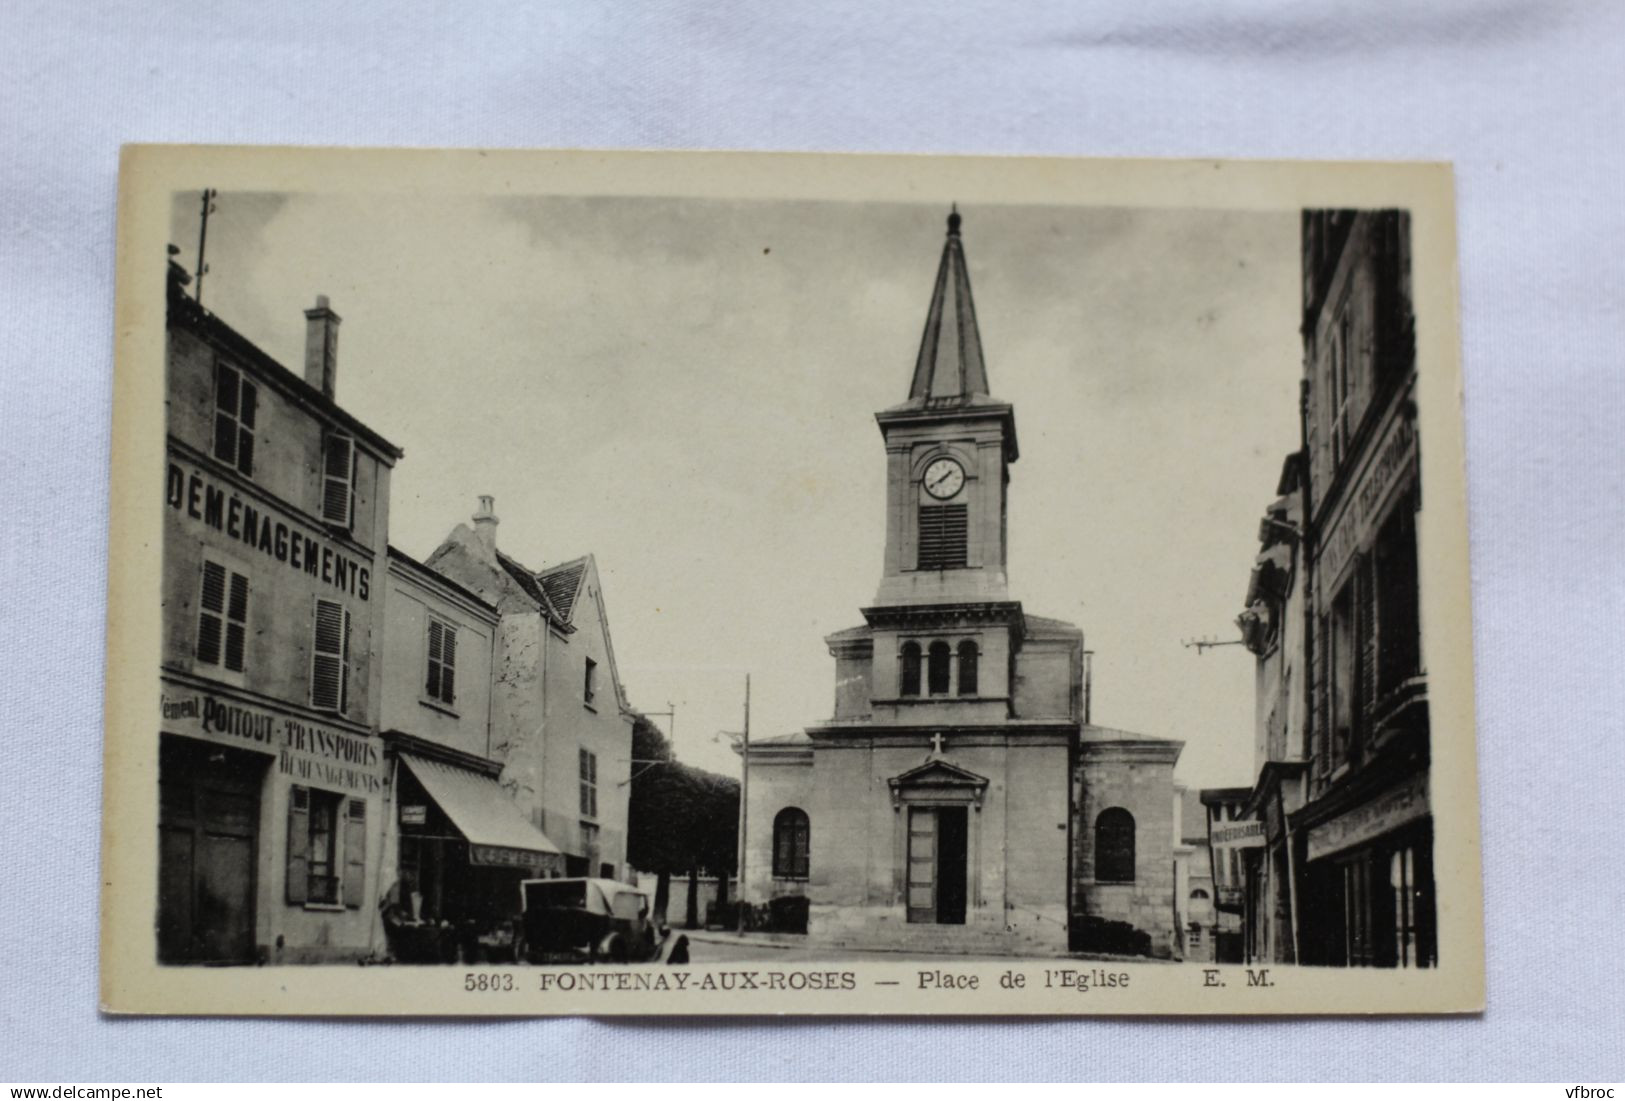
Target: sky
[686,389]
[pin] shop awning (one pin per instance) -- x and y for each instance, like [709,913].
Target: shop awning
[496,832]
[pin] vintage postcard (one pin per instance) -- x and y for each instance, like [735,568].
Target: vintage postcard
[613,583]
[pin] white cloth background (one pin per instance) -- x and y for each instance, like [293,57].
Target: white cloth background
[1525,97]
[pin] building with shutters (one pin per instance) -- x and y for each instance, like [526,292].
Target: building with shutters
[1338,867]
[560,725]
[272,778]
[958,799]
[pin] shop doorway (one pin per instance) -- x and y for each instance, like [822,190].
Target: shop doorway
[208,841]
[937,863]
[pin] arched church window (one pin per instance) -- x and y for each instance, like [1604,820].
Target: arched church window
[1114,846]
[791,844]
[936,673]
[911,670]
[967,668]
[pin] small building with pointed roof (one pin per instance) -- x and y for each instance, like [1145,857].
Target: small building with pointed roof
[560,723]
[958,799]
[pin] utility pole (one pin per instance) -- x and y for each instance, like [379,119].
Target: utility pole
[209,194]
[744,820]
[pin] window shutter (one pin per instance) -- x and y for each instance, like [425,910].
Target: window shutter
[211,613]
[355,853]
[328,677]
[942,537]
[245,434]
[337,480]
[298,887]
[344,666]
[237,622]
[448,666]
[436,648]
[1366,691]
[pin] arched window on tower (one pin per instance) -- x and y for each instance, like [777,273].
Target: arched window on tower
[936,672]
[1114,846]
[910,679]
[791,844]
[967,668]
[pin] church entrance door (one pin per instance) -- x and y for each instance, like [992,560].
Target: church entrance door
[937,853]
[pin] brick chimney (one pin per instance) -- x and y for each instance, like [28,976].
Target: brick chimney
[485,525]
[322,346]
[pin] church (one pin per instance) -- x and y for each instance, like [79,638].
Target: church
[959,800]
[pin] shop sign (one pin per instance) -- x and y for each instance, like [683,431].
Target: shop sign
[195,495]
[498,856]
[1245,834]
[1393,457]
[414,814]
[305,751]
[1401,804]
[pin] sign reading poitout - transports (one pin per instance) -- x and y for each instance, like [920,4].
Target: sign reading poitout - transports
[305,751]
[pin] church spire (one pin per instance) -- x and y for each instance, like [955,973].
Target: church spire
[950,363]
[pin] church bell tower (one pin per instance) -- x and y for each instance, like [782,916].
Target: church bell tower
[948,453]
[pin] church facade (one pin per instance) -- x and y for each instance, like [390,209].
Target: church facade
[958,799]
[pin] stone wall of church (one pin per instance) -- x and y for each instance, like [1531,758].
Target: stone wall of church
[1139,780]
[777,781]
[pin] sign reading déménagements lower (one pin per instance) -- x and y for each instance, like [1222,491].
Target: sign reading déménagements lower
[305,751]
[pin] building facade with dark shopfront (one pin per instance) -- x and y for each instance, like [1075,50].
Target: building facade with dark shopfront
[461,844]
[272,781]
[1365,833]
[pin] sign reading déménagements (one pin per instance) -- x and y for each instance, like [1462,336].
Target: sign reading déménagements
[223,509]
[305,751]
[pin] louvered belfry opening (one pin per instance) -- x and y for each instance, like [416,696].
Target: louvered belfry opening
[943,536]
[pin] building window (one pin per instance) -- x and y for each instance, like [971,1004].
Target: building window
[442,676]
[236,403]
[1114,846]
[1340,640]
[327,848]
[330,659]
[1341,388]
[791,844]
[588,860]
[1198,895]
[937,668]
[967,668]
[338,480]
[588,764]
[222,623]
[1397,597]
[911,669]
[942,540]
[589,684]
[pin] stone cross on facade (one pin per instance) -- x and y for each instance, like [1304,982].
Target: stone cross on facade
[937,743]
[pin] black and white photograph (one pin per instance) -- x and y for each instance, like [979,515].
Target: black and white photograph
[618,584]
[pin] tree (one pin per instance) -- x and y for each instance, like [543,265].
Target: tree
[680,819]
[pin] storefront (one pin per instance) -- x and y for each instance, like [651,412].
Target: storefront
[464,849]
[1370,872]
[270,828]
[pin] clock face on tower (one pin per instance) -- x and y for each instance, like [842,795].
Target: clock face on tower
[944,478]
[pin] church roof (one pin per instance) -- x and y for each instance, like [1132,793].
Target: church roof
[950,367]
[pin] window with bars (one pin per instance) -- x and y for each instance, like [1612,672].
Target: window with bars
[330,658]
[792,835]
[943,531]
[441,683]
[589,783]
[222,625]
[236,402]
[338,480]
